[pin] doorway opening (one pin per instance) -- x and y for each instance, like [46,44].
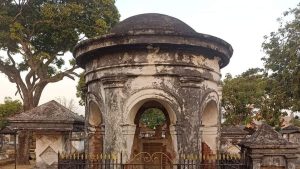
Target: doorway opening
[152,134]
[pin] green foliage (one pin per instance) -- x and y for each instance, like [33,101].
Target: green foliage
[250,96]
[9,107]
[81,90]
[295,122]
[241,95]
[36,34]
[53,26]
[282,60]
[279,88]
[152,118]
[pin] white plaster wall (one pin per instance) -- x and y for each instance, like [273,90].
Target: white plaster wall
[54,142]
[78,146]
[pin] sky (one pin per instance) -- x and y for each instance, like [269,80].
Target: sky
[242,23]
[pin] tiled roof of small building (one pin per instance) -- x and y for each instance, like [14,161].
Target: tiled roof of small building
[290,129]
[7,130]
[265,136]
[50,111]
[233,130]
[49,116]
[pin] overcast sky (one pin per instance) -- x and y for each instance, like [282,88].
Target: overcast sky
[242,23]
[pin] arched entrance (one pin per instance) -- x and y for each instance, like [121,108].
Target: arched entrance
[95,136]
[209,128]
[152,134]
[132,107]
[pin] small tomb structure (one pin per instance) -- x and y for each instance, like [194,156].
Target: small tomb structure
[267,149]
[231,136]
[52,125]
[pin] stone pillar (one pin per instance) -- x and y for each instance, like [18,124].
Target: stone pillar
[95,140]
[128,131]
[256,163]
[291,160]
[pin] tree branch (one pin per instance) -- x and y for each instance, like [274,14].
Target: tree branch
[37,93]
[13,75]
[18,14]
[19,91]
[29,75]
[68,73]
[50,60]
[26,49]
[11,58]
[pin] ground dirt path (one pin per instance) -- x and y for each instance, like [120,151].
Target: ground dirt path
[12,166]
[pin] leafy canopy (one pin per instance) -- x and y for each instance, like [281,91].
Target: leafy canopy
[9,107]
[241,94]
[279,87]
[152,118]
[251,96]
[81,89]
[282,60]
[35,35]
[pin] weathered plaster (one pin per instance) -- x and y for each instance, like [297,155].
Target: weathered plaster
[47,147]
[180,70]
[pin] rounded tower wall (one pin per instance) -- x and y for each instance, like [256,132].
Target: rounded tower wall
[169,66]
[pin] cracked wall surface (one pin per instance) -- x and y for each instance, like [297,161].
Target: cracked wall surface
[186,79]
[162,60]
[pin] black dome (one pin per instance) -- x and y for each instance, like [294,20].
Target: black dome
[153,23]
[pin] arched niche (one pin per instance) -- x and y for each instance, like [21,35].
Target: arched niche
[95,115]
[210,123]
[210,114]
[95,128]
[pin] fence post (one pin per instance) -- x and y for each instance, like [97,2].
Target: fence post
[121,160]
[58,160]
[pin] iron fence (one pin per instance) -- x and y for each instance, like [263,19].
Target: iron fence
[144,160]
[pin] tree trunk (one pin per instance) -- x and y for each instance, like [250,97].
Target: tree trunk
[24,136]
[23,149]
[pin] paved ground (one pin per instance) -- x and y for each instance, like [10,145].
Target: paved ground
[12,166]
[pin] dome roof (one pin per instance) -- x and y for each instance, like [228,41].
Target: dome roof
[153,23]
[160,30]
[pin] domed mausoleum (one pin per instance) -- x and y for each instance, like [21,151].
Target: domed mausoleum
[153,63]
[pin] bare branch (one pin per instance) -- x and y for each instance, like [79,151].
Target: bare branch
[20,12]
[38,92]
[68,73]
[29,75]
[38,87]
[26,49]
[11,58]
[19,91]
[75,74]
[8,71]
[13,75]
[35,79]
[50,60]
[11,79]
